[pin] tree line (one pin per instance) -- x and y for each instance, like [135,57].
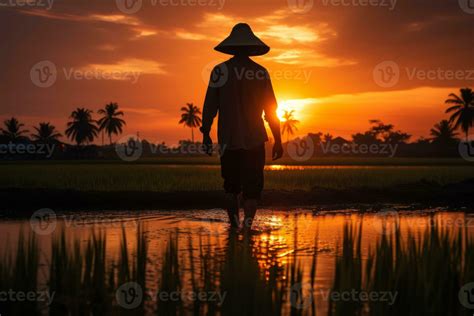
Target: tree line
[81,128]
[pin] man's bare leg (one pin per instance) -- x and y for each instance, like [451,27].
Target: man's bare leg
[250,209]
[233,209]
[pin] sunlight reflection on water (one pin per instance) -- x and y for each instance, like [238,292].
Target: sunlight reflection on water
[277,235]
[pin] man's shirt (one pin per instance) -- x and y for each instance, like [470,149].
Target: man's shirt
[240,90]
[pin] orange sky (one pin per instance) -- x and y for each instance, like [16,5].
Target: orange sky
[326,62]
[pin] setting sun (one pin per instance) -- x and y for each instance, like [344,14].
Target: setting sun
[296,105]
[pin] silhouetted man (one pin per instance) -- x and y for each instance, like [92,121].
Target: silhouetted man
[240,90]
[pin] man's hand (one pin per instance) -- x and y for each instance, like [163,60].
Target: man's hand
[277,151]
[207,142]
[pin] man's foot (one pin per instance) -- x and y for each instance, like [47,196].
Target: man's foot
[233,210]
[250,209]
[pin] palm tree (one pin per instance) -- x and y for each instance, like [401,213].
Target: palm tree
[13,129]
[82,128]
[443,133]
[190,117]
[463,109]
[110,122]
[289,124]
[46,133]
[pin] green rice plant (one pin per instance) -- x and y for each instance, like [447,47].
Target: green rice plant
[422,272]
[19,274]
[348,271]
[78,276]
[171,279]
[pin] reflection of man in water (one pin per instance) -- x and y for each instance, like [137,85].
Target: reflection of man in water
[240,90]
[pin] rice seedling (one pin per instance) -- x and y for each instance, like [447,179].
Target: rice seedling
[420,273]
[19,276]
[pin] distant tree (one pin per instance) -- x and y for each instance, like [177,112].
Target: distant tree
[327,138]
[385,133]
[82,129]
[316,137]
[444,133]
[367,137]
[46,133]
[289,124]
[463,110]
[13,130]
[110,122]
[191,117]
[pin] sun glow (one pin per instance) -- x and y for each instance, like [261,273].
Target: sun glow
[296,105]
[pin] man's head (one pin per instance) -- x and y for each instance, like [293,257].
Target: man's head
[242,41]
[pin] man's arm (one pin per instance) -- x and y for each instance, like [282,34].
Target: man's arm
[270,109]
[209,112]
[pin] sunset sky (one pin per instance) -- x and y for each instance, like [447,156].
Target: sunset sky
[328,61]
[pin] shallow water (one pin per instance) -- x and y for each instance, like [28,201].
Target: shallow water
[277,234]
